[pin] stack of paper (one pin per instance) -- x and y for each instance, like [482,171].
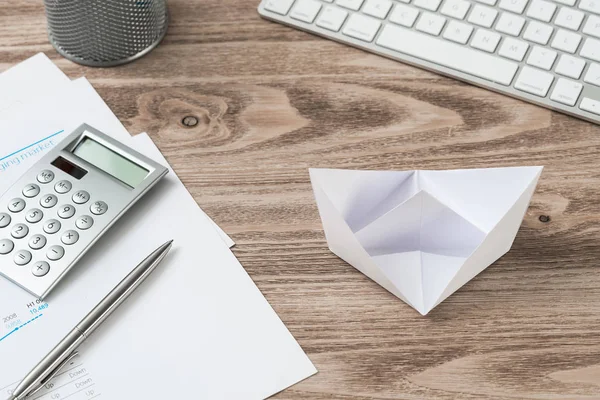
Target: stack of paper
[198,328]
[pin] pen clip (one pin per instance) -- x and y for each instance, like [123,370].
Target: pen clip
[53,374]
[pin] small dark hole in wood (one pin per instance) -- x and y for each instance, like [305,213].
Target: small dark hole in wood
[190,121]
[544,218]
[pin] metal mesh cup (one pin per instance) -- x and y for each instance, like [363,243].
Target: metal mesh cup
[104,33]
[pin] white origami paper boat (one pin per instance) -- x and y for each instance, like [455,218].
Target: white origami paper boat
[422,234]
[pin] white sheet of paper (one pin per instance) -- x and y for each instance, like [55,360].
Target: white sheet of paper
[23,144]
[422,234]
[25,139]
[199,327]
[34,77]
[228,241]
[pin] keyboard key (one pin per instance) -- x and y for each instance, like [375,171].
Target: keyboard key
[593,74]
[542,10]
[431,5]
[458,32]
[590,105]
[483,16]
[279,6]
[404,15]
[351,4]
[485,40]
[570,18]
[566,91]
[592,26]
[541,57]
[306,10]
[510,24]
[488,2]
[534,81]
[332,18]
[431,23]
[566,41]
[361,27]
[513,49]
[448,54]
[570,66]
[516,6]
[590,5]
[377,8]
[456,8]
[566,2]
[591,49]
[538,32]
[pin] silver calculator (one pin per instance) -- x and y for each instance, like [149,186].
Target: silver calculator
[61,206]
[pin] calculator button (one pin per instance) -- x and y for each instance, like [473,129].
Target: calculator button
[16,205]
[66,211]
[40,268]
[19,231]
[70,237]
[48,201]
[46,176]
[51,226]
[4,220]
[55,253]
[84,223]
[34,216]
[63,187]
[6,246]
[37,242]
[99,208]
[81,197]
[22,257]
[30,191]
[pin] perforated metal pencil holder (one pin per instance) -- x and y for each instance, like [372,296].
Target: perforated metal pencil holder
[105,33]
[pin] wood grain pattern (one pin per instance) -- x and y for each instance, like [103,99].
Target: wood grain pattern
[273,102]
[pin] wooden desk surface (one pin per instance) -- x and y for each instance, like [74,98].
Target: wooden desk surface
[272,102]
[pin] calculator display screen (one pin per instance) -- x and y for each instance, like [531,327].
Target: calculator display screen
[110,162]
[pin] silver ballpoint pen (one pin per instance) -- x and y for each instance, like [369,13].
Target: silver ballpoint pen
[64,352]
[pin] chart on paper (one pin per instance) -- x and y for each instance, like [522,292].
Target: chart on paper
[18,320]
[74,382]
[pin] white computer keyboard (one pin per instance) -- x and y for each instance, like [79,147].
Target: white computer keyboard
[544,52]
